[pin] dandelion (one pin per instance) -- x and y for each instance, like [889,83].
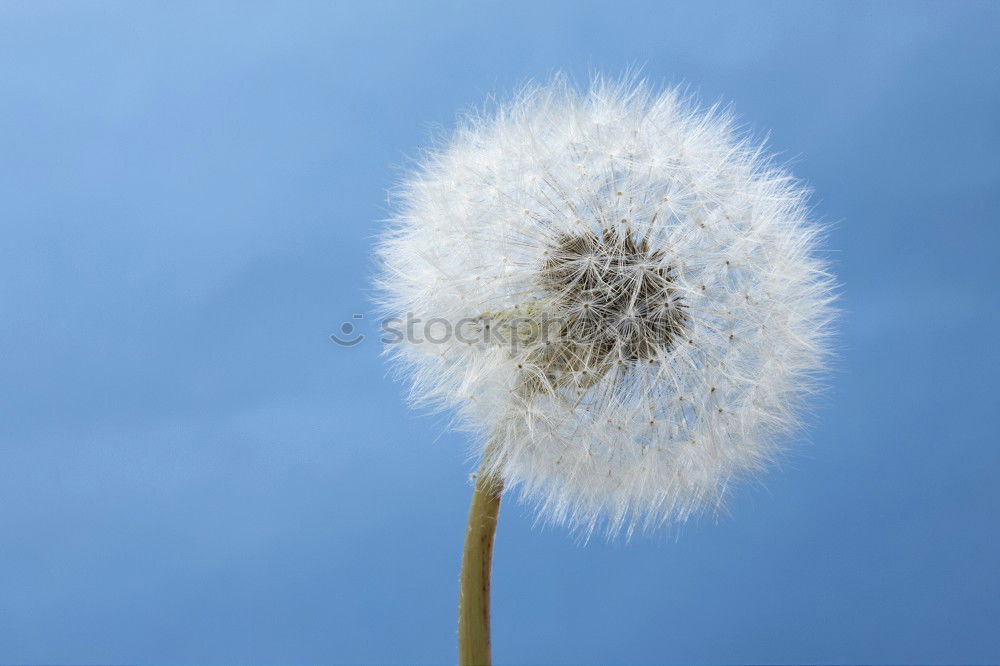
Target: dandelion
[637,307]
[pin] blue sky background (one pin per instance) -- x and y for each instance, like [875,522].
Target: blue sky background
[190,471]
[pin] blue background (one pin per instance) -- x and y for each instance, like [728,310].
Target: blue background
[191,471]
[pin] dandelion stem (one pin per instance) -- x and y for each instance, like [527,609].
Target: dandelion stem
[474,585]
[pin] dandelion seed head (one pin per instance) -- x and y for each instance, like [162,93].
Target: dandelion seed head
[638,305]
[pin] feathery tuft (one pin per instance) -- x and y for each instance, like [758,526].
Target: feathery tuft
[635,306]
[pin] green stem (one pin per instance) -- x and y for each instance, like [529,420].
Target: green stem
[474,586]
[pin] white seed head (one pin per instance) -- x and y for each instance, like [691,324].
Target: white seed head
[635,305]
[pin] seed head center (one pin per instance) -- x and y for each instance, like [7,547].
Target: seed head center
[617,297]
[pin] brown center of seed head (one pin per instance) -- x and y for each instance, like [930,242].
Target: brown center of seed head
[618,305]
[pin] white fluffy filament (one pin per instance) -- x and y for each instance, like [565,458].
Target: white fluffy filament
[641,302]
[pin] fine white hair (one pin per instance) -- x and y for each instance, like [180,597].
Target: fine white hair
[624,299]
